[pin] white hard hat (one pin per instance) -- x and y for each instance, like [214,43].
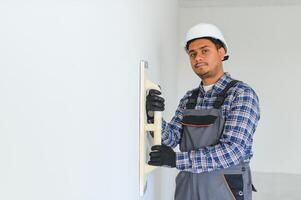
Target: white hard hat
[205,30]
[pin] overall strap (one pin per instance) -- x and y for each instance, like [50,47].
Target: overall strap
[223,94]
[192,100]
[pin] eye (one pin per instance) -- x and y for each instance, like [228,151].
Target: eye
[192,55]
[205,51]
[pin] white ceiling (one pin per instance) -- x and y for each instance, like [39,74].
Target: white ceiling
[222,3]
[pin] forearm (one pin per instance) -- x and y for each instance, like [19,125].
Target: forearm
[210,158]
[171,133]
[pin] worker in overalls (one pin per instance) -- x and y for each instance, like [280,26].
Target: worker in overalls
[214,125]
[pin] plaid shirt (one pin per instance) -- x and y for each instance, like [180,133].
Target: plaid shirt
[241,112]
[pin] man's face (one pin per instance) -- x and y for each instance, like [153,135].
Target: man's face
[205,58]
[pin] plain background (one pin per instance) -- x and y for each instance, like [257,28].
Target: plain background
[69,74]
[69,85]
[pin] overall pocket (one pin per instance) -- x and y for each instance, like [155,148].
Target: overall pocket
[235,184]
[198,121]
[199,131]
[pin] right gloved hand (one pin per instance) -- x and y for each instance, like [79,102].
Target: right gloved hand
[153,103]
[162,155]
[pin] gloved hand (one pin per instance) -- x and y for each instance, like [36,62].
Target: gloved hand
[162,155]
[153,103]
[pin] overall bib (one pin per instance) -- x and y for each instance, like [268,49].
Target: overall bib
[203,128]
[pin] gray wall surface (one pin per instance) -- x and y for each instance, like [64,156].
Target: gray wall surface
[69,95]
[69,92]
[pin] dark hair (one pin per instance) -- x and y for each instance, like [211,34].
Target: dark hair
[218,44]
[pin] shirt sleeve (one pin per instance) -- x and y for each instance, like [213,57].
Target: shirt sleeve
[171,132]
[235,142]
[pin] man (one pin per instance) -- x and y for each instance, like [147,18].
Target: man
[213,124]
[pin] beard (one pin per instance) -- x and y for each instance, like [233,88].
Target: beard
[204,75]
[203,72]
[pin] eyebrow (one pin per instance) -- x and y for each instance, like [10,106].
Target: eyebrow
[198,48]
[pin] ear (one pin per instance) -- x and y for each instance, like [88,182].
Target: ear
[221,53]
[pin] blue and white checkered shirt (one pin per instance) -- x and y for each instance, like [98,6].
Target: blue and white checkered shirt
[241,112]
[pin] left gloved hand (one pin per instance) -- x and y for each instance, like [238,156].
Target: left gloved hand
[162,155]
[154,102]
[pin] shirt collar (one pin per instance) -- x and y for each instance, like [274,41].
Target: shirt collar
[219,85]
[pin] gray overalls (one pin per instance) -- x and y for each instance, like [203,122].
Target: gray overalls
[203,128]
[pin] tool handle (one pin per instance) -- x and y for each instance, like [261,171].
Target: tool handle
[156,126]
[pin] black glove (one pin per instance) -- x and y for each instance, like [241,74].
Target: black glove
[162,155]
[153,103]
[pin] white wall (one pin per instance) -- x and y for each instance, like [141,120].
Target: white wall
[264,47]
[158,45]
[69,95]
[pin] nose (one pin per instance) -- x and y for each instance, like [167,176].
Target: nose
[199,57]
